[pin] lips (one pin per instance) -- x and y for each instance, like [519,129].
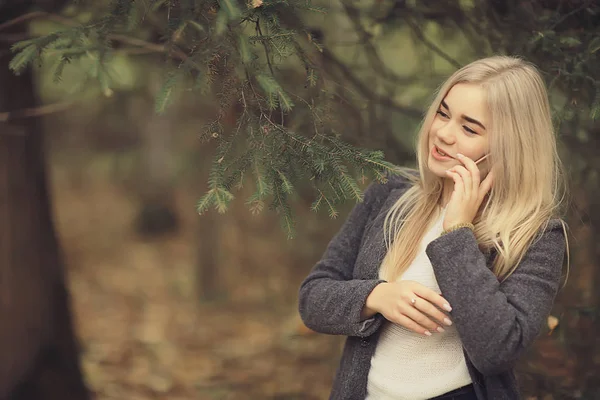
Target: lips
[443,153]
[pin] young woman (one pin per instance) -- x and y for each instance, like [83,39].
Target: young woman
[442,277]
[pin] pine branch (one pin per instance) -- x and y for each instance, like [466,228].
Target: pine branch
[415,28]
[37,111]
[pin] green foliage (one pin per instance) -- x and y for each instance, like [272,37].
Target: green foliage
[282,132]
[237,51]
[165,94]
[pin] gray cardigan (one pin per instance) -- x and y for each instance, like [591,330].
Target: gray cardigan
[495,321]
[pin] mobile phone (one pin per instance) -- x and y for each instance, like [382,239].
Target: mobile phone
[483,171]
[482,158]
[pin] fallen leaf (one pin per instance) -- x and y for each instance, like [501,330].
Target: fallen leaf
[552,323]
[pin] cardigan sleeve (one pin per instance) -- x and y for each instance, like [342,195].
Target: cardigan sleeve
[497,321]
[330,300]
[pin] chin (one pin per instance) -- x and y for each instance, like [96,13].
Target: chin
[436,168]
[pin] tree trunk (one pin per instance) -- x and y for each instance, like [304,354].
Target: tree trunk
[38,349]
[157,215]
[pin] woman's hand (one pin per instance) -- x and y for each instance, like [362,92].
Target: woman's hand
[468,193]
[409,304]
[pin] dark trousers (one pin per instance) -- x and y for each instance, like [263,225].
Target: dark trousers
[463,393]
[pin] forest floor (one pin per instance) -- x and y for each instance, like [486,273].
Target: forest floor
[143,332]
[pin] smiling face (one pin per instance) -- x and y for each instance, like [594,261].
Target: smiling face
[459,127]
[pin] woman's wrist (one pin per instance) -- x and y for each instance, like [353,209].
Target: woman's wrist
[370,307]
[458,226]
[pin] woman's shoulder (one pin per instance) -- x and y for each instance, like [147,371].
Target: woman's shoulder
[554,224]
[401,178]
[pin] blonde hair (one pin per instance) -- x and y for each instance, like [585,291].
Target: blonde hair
[528,189]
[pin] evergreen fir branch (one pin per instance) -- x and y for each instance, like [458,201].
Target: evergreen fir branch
[231,9]
[317,203]
[134,17]
[205,201]
[164,96]
[286,185]
[595,107]
[263,188]
[177,32]
[221,196]
[245,50]
[203,80]
[188,8]
[103,78]
[215,175]
[348,183]
[24,44]
[256,204]
[307,5]
[268,84]
[281,206]
[197,26]
[333,213]
[64,60]
[222,199]
[320,10]
[221,22]
[156,4]
[29,51]
[228,11]
[287,223]
[272,101]
[237,167]
[268,38]
[22,59]
[211,130]
[285,101]
[312,77]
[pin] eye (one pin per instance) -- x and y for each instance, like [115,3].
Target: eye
[443,114]
[471,131]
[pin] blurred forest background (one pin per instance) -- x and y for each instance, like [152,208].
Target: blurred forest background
[116,122]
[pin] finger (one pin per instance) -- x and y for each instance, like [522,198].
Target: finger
[466,178]
[432,297]
[473,169]
[432,311]
[409,324]
[418,317]
[458,183]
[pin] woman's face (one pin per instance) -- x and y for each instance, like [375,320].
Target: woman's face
[459,126]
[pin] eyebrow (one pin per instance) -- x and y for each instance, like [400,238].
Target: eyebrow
[465,117]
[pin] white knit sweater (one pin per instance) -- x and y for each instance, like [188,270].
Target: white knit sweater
[411,366]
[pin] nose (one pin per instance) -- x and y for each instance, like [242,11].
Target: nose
[446,133]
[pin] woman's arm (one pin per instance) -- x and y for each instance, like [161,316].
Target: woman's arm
[497,321]
[330,300]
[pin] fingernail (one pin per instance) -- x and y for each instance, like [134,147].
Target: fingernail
[447,321]
[447,307]
[440,329]
[459,155]
[428,333]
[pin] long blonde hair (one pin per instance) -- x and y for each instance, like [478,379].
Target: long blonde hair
[529,185]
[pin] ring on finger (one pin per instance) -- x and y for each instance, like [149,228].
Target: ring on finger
[413,301]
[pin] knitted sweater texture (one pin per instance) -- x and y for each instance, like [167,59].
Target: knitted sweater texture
[496,321]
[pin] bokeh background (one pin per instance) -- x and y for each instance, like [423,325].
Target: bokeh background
[169,304]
